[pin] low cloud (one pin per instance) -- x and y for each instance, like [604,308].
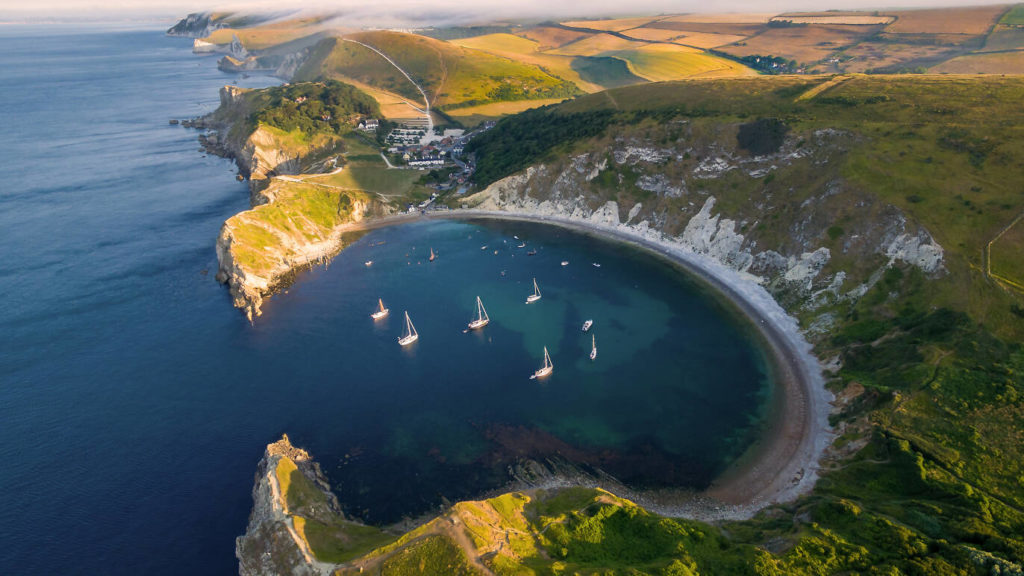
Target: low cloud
[398,13]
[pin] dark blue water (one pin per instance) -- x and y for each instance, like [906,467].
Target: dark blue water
[135,401]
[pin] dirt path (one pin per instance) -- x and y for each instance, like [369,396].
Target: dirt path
[426,99]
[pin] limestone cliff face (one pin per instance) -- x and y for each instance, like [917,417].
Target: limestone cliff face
[253,267]
[271,544]
[669,201]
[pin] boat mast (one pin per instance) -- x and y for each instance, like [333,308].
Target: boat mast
[480,311]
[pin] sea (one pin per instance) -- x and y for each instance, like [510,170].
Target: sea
[136,402]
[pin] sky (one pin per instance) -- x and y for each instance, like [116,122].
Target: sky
[433,12]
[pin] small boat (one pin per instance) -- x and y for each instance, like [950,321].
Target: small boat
[481,316]
[380,312]
[516,237]
[369,263]
[432,255]
[523,245]
[565,262]
[593,346]
[536,293]
[495,252]
[587,325]
[596,265]
[531,253]
[546,369]
[410,334]
[503,272]
[484,247]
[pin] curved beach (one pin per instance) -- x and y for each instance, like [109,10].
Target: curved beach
[783,464]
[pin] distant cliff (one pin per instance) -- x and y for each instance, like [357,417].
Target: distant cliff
[196,25]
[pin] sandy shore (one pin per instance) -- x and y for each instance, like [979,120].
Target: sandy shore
[783,464]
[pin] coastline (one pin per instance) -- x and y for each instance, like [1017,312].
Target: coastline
[780,467]
[784,464]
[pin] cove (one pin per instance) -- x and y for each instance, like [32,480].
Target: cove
[680,389]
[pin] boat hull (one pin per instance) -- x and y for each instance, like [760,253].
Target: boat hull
[379,315]
[408,340]
[530,299]
[478,324]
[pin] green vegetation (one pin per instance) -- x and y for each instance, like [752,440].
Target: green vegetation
[1006,255]
[452,76]
[605,71]
[1014,16]
[340,541]
[301,213]
[931,470]
[296,489]
[431,555]
[314,107]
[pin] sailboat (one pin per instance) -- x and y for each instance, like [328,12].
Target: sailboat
[546,369]
[481,316]
[593,346]
[410,332]
[379,312]
[432,255]
[536,293]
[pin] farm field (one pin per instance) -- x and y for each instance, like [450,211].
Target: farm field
[1014,16]
[611,25]
[662,62]
[547,37]
[1005,38]
[597,45]
[805,44]
[527,50]
[653,34]
[728,18]
[853,19]
[994,63]
[868,56]
[971,21]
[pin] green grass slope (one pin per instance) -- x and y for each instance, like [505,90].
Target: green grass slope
[452,76]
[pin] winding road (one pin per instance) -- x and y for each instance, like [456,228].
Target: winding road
[426,100]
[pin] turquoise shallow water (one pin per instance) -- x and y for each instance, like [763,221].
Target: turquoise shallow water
[675,393]
[135,402]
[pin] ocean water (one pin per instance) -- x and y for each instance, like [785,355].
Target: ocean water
[135,401]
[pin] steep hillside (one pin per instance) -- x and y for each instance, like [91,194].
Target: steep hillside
[452,76]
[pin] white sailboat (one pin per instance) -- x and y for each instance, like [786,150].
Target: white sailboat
[593,346]
[536,293]
[546,369]
[432,255]
[410,334]
[379,312]
[481,316]
[587,325]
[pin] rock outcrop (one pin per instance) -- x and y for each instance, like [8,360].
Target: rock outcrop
[798,269]
[272,544]
[195,25]
[259,250]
